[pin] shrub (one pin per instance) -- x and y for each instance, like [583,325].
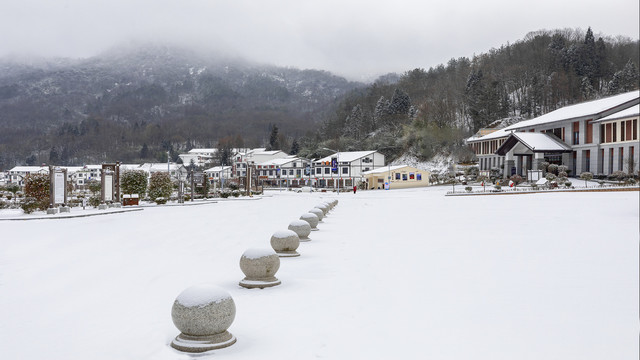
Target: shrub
[468,188]
[550,176]
[552,168]
[235,193]
[36,186]
[161,200]
[517,179]
[497,187]
[224,194]
[94,201]
[543,165]
[233,186]
[4,205]
[567,184]
[586,176]
[534,186]
[134,182]
[619,176]
[30,204]
[160,186]
[563,169]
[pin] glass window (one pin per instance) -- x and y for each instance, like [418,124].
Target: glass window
[397,176]
[327,170]
[404,177]
[419,177]
[412,176]
[345,170]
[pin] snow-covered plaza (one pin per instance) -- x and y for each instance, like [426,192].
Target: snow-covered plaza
[401,274]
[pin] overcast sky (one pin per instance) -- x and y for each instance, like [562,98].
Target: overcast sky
[355,38]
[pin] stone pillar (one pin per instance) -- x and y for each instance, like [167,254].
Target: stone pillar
[508,164]
[519,165]
[538,158]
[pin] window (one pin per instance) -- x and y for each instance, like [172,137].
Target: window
[397,176]
[635,129]
[270,172]
[576,133]
[608,136]
[614,132]
[291,171]
[589,138]
[412,176]
[327,170]
[345,170]
[298,172]
[587,157]
[629,130]
[404,177]
[419,177]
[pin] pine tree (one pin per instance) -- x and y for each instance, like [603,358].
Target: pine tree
[354,123]
[274,141]
[295,147]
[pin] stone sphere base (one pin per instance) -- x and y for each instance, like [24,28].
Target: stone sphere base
[259,284]
[202,343]
[288,253]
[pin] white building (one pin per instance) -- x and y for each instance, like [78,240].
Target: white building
[16,175]
[218,174]
[177,171]
[345,169]
[250,157]
[200,157]
[285,172]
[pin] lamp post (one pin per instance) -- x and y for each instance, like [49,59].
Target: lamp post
[338,165]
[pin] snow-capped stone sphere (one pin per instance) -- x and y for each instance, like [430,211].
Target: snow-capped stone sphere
[312,219]
[302,228]
[259,266]
[285,243]
[318,212]
[203,313]
[323,207]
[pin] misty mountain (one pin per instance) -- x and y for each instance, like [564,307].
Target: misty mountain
[152,94]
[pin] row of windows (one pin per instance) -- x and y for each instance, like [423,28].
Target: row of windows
[487,147]
[409,176]
[626,129]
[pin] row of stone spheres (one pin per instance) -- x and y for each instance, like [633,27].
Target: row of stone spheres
[203,313]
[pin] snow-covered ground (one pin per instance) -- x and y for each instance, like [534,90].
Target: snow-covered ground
[401,274]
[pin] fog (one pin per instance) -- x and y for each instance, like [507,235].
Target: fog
[358,39]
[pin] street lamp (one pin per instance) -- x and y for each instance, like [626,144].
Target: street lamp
[338,165]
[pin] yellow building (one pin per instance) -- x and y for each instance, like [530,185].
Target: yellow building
[400,176]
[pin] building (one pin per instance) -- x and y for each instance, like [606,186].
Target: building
[200,157]
[16,174]
[599,136]
[345,169]
[218,174]
[177,171]
[397,177]
[285,172]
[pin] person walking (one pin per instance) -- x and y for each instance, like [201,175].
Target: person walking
[354,189]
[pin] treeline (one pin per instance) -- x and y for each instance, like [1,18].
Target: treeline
[429,111]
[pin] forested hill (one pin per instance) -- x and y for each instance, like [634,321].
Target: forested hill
[431,111]
[108,107]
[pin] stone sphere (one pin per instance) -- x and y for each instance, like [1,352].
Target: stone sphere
[260,264]
[323,207]
[302,228]
[312,219]
[285,243]
[318,212]
[203,310]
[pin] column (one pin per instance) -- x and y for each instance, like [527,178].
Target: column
[508,164]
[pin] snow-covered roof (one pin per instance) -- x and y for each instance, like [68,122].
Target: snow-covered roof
[626,113]
[153,167]
[384,169]
[202,151]
[217,169]
[536,142]
[595,109]
[494,135]
[347,156]
[29,169]
[278,162]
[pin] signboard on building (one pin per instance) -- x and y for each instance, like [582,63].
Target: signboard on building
[108,187]
[334,165]
[58,187]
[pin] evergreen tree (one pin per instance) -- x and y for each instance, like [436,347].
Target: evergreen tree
[274,141]
[400,103]
[354,123]
[144,152]
[295,147]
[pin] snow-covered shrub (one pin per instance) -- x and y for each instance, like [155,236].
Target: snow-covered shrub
[160,186]
[160,200]
[586,176]
[552,168]
[94,201]
[543,165]
[30,204]
[619,176]
[37,186]
[517,179]
[4,204]
[235,193]
[497,187]
[468,188]
[134,182]
[563,169]
[567,184]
